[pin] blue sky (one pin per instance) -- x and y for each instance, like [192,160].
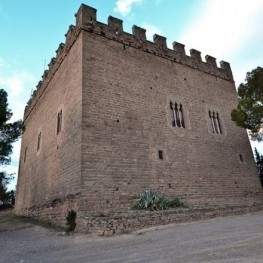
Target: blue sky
[31,30]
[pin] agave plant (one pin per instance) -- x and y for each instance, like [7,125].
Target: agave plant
[153,200]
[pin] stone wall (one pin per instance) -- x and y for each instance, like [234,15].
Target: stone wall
[127,92]
[117,138]
[50,162]
[126,222]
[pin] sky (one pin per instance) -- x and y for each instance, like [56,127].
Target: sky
[31,30]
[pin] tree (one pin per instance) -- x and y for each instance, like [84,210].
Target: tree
[9,133]
[259,164]
[249,111]
[4,194]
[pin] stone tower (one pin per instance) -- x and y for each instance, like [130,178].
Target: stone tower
[115,114]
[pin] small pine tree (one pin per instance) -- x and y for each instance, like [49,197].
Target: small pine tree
[259,164]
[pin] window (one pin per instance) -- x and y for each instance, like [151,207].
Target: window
[160,154]
[38,141]
[215,122]
[241,158]
[59,122]
[177,114]
[25,154]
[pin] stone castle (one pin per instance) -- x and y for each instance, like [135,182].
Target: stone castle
[115,114]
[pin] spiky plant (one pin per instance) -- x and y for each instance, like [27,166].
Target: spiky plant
[152,200]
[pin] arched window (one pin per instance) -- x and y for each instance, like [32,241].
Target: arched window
[177,114]
[215,122]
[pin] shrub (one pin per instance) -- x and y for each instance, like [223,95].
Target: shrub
[153,200]
[71,221]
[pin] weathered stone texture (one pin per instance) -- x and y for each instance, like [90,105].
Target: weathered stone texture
[114,90]
[126,222]
[54,170]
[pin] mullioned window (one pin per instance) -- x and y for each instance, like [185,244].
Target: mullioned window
[215,122]
[177,114]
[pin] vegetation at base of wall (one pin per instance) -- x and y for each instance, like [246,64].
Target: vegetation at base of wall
[7,198]
[153,200]
[71,221]
[259,164]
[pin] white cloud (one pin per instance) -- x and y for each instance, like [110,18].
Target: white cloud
[13,183]
[125,6]
[224,27]
[16,151]
[15,83]
[258,145]
[240,69]
[151,30]
[230,30]
[18,84]
[12,169]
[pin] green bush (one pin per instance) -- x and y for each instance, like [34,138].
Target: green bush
[153,200]
[71,221]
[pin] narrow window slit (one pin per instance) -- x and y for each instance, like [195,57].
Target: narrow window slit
[218,123]
[181,115]
[160,154]
[59,122]
[173,114]
[215,123]
[177,115]
[212,122]
[38,141]
[25,154]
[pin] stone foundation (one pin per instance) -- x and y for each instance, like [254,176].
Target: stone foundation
[125,222]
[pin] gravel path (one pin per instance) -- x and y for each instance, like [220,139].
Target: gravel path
[229,239]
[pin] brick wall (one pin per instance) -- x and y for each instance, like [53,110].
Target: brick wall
[126,120]
[53,171]
[114,90]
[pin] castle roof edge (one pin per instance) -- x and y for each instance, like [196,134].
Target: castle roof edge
[86,19]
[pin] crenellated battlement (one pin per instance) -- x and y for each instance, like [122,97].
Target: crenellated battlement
[86,19]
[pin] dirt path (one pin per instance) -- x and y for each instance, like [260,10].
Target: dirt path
[229,239]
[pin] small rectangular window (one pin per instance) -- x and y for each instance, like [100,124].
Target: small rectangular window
[160,154]
[38,141]
[241,158]
[59,122]
[25,154]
